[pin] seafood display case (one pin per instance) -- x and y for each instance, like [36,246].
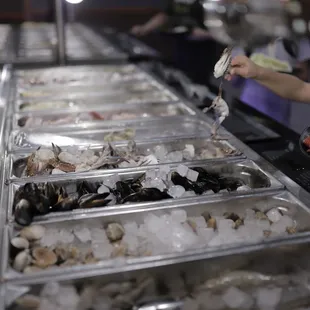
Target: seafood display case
[5,36]
[37,43]
[111,181]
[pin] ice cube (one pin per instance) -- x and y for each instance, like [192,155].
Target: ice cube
[67,297]
[205,233]
[268,298]
[180,216]
[69,158]
[249,214]
[102,250]
[200,221]
[274,215]
[237,299]
[163,172]
[176,191]
[192,175]
[44,154]
[103,189]
[98,235]
[150,174]
[157,183]
[57,171]
[132,243]
[182,170]
[160,151]
[189,152]
[82,233]
[189,194]
[280,226]
[224,225]
[82,168]
[131,228]
[111,180]
[174,157]
[50,290]
[148,160]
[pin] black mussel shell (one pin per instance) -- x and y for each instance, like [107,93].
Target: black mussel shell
[52,192]
[22,121]
[23,213]
[93,200]
[208,180]
[19,166]
[30,188]
[123,188]
[147,194]
[42,205]
[87,188]
[67,204]
[24,105]
[198,187]
[230,183]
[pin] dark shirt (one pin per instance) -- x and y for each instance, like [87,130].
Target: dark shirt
[187,13]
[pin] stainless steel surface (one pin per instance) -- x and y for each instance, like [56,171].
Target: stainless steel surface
[60,30]
[95,134]
[254,23]
[247,171]
[93,111]
[281,200]
[205,149]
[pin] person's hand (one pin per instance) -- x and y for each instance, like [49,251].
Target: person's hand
[244,67]
[139,30]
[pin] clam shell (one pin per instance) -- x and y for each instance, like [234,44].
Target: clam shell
[21,260]
[33,232]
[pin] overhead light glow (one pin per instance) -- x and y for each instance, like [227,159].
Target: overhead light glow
[74,1]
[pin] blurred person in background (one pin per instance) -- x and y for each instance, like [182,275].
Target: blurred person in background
[287,56]
[195,49]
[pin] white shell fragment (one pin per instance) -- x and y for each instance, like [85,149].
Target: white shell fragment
[21,260]
[222,66]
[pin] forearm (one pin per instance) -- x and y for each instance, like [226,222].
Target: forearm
[284,85]
[156,22]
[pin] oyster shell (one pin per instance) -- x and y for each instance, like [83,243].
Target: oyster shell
[222,66]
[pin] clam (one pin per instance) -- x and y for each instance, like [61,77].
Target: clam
[32,269]
[44,257]
[28,301]
[21,260]
[62,253]
[211,223]
[115,232]
[33,232]
[18,244]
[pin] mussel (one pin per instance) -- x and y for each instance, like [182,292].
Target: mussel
[66,204]
[93,200]
[230,183]
[23,213]
[87,188]
[124,189]
[147,194]
[188,185]
[19,166]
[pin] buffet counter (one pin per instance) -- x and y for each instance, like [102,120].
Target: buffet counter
[114,195]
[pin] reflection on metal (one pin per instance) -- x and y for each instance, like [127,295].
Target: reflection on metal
[60,28]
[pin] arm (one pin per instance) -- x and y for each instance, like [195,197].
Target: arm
[284,85]
[154,23]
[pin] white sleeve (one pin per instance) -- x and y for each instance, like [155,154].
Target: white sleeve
[304,50]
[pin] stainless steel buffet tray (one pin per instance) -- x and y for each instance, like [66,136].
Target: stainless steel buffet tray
[49,74]
[89,134]
[80,100]
[215,151]
[130,88]
[245,170]
[283,201]
[93,111]
[178,281]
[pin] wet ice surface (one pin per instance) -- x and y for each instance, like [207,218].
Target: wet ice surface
[45,161]
[67,244]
